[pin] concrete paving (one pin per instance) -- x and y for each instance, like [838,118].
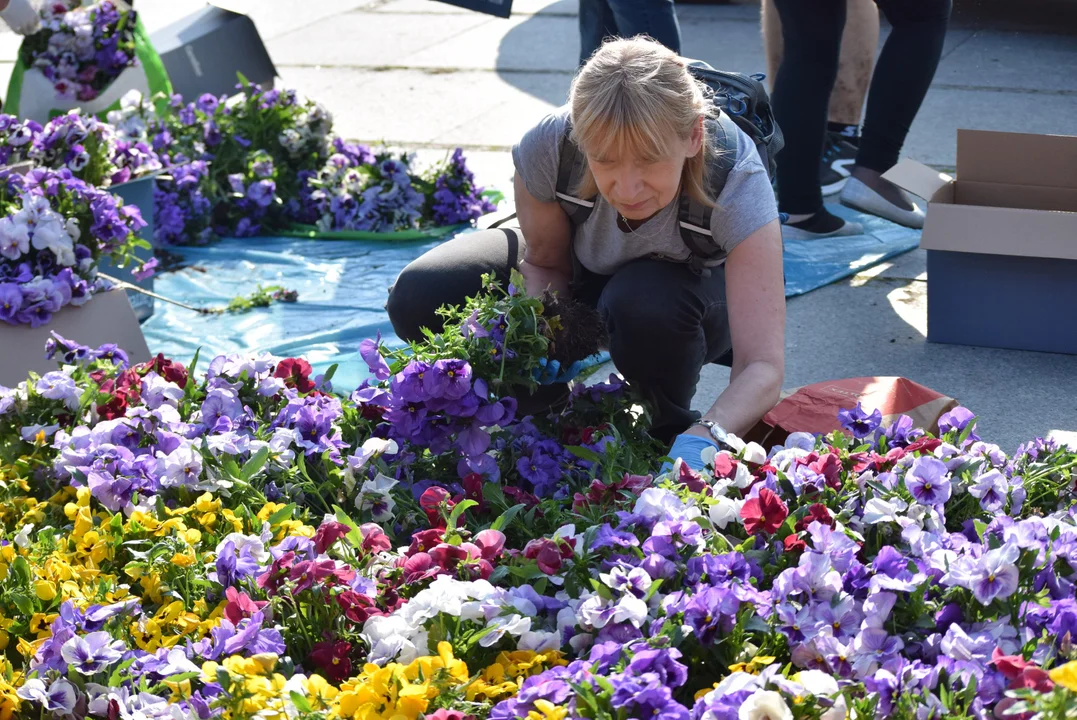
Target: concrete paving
[429,76]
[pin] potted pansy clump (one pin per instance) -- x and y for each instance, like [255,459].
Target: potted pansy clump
[85,55]
[54,230]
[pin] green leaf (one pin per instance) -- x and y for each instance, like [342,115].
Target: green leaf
[493,493]
[117,673]
[981,527]
[232,468]
[301,703]
[330,373]
[355,535]
[459,510]
[283,514]
[966,432]
[584,454]
[23,603]
[255,464]
[21,569]
[604,592]
[507,517]
[653,589]
[180,677]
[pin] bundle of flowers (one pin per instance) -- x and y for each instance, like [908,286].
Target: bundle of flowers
[54,229]
[181,196]
[81,49]
[266,158]
[254,146]
[248,544]
[93,151]
[360,190]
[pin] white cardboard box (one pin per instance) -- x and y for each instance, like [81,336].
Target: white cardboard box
[107,318]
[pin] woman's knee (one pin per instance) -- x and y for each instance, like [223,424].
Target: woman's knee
[409,305]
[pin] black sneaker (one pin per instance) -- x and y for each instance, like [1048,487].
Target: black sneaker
[838,156]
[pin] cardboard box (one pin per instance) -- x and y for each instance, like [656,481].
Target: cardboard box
[107,318]
[1001,241]
[140,194]
[203,52]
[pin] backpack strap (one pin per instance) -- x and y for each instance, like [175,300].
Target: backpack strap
[693,216]
[570,168]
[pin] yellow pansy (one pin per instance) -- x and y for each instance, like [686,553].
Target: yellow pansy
[45,590]
[754,665]
[320,693]
[546,710]
[1066,676]
[231,519]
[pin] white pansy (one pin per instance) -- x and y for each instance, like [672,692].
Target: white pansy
[754,453]
[657,504]
[878,510]
[14,239]
[22,539]
[725,511]
[255,545]
[765,705]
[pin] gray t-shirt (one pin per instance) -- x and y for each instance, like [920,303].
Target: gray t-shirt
[745,204]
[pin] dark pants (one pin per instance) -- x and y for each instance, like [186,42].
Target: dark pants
[811,32]
[664,322]
[601,19]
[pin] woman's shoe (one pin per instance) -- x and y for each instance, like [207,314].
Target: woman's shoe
[821,225]
[860,197]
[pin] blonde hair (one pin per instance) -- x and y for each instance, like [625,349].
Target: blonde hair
[638,95]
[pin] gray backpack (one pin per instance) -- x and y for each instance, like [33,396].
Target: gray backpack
[743,103]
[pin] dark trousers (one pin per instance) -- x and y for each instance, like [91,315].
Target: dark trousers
[664,322]
[811,32]
[601,19]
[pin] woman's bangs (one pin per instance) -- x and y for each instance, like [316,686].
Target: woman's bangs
[619,131]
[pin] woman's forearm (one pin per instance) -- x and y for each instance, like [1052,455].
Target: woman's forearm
[751,393]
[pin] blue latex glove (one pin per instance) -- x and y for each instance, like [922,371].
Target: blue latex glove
[690,449]
[550,372]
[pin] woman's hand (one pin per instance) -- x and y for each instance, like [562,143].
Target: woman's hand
[689,448]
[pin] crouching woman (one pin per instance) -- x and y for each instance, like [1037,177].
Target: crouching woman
[601,219]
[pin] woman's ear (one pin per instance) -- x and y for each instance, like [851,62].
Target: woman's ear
[695,140]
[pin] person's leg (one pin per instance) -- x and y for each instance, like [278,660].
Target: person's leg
[811,34]
[665,323]
[447,275]
[859,41]
[656,18]
[596,24]
[902,77]
[771,24]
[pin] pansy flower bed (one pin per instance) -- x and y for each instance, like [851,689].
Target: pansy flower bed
[241,542]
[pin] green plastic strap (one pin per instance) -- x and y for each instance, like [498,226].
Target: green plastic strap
[14,87]
[156,75]
[310,232]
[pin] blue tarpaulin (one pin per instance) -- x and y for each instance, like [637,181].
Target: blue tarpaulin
[342,290]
